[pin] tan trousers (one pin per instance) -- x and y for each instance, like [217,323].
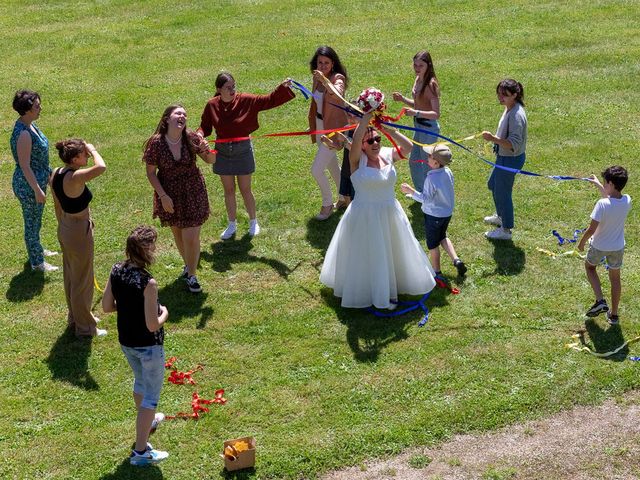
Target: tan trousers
[75,234]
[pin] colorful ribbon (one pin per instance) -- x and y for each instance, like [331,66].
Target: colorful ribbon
[284,134]
[569,253]
[95,284]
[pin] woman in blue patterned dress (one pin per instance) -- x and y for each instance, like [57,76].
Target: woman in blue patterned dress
[30,149]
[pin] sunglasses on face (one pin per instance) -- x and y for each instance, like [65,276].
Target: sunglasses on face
[373,140]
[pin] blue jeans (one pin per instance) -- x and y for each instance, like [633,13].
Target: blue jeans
[147,364]
[419,169]
[501,185]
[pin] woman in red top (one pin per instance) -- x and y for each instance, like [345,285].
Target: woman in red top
[232,115]
[180,199]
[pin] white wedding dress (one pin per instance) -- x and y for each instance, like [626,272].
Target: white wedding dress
[374,255]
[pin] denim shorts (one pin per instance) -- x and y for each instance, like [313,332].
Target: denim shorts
[147,364]
[435,229]
[614,259]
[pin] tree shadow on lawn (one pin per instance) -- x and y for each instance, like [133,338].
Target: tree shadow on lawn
[126,471]
[68,360]
[182,303]
[225,253]
[25,285]
[606,340]
[368,335]
[510,259]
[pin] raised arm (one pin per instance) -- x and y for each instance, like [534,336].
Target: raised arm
[84,175]
[403,143]
[356,142]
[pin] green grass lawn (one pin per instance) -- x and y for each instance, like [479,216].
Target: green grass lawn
[319,386]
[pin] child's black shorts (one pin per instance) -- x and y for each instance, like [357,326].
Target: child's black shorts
[435,229]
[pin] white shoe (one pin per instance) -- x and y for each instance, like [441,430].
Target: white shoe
[493,220]
[498,234]
[254,228]
[100,332]
[49,253]
[229,232]
[44,267]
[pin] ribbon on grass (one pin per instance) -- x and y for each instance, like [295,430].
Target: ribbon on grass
[581,346]
[180,378]
[562,240]
[554,255]
[412,305]
[197,406]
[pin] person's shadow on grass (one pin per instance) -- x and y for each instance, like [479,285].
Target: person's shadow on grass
[181,303]
[225,253]
[126,471]
[25,285]
[606,340]
[68,360]
[320,232]
[510,259]
[368,335]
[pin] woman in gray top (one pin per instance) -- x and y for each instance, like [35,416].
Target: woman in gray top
[510,143]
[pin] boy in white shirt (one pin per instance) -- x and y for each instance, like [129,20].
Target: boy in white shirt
[607,229]
[437,205]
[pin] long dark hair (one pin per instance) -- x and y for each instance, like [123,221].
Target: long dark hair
[329,52]
[221,79]
[512,86]
[138,243]
[425,56]
[163,126]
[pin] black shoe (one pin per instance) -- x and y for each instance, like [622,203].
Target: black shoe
[460,266]
[193,285]
[613,319]
[597,308]
[185,273]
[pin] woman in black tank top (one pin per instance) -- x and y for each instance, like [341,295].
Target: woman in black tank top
[75,230]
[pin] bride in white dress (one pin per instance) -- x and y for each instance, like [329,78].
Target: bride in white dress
[374,255]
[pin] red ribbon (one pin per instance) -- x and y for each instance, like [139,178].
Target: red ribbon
[197,406]
[442,284]
[285,134]
[169,363]
[179,378]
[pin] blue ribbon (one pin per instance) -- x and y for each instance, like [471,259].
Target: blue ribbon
[410,306]
[306,93]
[562,240]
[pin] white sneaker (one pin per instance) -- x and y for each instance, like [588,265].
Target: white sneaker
[44,267]
[493,220]
[158,419]
[100,332]
[254,228]
[49,253]
[229,232]
[498,234]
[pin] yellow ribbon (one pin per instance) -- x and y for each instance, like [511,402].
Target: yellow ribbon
[568,253]
[95,284]
[581,347]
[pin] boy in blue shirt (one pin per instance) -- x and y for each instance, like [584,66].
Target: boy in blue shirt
[437,205]
[607,229]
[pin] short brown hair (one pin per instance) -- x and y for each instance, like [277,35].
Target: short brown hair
[138,243]
[70,149]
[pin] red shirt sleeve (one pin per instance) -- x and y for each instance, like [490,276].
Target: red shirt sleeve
[279,96]
[206,121]
[150,156]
